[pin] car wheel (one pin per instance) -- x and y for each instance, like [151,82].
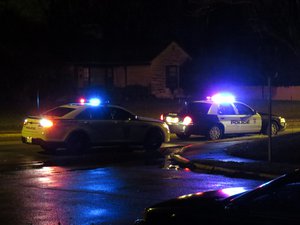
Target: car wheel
[77,142]
[183,136]
[153,140]
[215,133]
[274,128]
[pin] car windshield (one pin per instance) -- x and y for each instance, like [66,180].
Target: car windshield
[58,112]
[196,107]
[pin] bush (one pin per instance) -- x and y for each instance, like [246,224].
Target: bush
[136,92]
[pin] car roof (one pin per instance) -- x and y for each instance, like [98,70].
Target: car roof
[210,101]
[88,105]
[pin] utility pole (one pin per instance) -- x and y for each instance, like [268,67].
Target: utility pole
[38,100]
[270,121]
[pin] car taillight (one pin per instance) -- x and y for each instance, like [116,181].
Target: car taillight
[162,117]
[46,123]
[187,120]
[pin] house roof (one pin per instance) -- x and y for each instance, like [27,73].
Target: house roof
[117,53]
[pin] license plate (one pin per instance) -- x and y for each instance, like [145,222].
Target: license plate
[28,139]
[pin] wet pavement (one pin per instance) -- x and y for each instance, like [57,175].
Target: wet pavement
[212,151]
[115,194]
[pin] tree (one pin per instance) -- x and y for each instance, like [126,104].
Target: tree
[269,19]
[275,25]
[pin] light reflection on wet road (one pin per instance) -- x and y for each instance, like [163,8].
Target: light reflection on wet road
[109,195]
[112,188]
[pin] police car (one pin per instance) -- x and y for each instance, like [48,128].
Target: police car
[218,116]
[78,126]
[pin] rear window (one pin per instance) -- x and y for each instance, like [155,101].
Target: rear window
[198,108]
[58,112]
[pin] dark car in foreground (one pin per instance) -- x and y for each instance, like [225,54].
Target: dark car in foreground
[274,202]
[220,116]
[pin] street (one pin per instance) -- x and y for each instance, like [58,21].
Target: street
[100,187]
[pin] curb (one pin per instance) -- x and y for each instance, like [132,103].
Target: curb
[200,166]
[10,134]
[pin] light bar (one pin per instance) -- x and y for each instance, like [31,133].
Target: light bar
[95,101]
[82,100]
[223,98]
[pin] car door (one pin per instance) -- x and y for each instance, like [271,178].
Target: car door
[100,125]
[228,117]
[249,120]
[134,127]
[123,120]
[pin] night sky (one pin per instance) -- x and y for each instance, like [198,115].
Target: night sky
[223,43]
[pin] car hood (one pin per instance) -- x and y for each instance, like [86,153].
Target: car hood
[148,119]
[205,200]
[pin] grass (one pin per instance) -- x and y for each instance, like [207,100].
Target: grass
[12,117]
[285,158]
[11,120]
[285,149]
[285,155]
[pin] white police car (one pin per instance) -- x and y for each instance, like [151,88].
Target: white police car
[219,116]
[79,126]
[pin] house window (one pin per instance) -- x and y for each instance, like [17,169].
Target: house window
[97,77]
[172,77]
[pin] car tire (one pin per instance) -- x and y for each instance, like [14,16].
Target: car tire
[77,142]
[183,136]
[153,140]
[215,132]
[274,129]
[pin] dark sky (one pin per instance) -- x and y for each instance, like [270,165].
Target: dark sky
[222,43]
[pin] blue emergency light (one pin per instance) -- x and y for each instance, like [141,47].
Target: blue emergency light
[223,98]
[95,101]
[91,101]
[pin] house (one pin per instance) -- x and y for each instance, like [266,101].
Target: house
[157,68]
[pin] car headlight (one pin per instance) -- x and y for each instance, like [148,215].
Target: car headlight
[282,120]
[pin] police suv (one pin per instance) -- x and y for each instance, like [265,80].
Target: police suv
[219,116]
[78,126]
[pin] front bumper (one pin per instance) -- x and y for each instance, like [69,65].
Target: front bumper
[282,124]
[40,142]
[31,140]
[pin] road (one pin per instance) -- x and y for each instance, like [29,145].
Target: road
[104,187]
